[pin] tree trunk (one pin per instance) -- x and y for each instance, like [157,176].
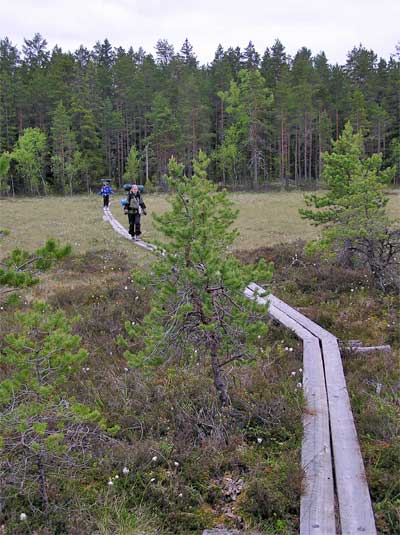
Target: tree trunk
[42,486]
[346,255]
[219,379]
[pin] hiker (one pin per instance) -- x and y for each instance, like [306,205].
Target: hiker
[134,207]
[106,191]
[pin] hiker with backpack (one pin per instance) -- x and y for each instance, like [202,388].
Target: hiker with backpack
[106,191]
[134,208]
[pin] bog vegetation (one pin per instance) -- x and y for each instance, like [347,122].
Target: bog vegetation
[147,395]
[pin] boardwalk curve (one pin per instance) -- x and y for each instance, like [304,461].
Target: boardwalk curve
[331,456]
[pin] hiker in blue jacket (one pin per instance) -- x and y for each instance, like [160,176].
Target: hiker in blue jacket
[106,191]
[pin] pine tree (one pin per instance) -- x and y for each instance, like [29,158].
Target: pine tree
[45,437]
[165,134]
[247,102]
[164,52]
[64,158]
[198,310]
[132,170]
[355,225]
[20,268]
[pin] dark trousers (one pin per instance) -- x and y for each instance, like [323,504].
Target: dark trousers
[134,224]
[106,199]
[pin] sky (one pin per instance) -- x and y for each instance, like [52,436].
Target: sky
[334,26]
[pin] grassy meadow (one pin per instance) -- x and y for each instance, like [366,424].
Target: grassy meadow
[265,219]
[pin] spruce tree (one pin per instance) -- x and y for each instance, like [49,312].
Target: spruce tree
[198,311]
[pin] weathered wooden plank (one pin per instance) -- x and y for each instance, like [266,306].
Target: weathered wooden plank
[368,349]
[123,232]
[317,515]
[305,322]
[355,508]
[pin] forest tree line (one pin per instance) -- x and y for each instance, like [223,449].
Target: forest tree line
[68,119]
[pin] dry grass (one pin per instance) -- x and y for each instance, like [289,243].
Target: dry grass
[265,219]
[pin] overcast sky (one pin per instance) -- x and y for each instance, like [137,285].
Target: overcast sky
[334,26]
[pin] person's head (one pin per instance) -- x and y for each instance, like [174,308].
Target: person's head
[134,188]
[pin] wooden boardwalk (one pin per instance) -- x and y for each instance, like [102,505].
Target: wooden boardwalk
[116,225]
[331,456]
[330,444]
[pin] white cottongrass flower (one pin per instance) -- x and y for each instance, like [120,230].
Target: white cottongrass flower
[259,440]
[126,369]
[116,477]
[286,348]
[300,370]
[125,470]
[293,373]
[154,459]
[180,495]
[290,348]
[133,323]
[176,463]
[299,385]
[110,483]
[125,287]
[152,480]
[23,517]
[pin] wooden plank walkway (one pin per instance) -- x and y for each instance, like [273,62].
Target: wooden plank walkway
[116,225]
[330,446]
[355,508]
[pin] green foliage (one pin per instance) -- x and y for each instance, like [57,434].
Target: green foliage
[30,153]
[353,209]
[355,183]
[41,437]
[132,169]
[5,160]
[198,310]
[247,103]
[66,159]
[20,267]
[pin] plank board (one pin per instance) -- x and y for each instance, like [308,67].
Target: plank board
[123,232]
[317,511]
[355,508]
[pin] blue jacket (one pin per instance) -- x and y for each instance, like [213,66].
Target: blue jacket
[106,190]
